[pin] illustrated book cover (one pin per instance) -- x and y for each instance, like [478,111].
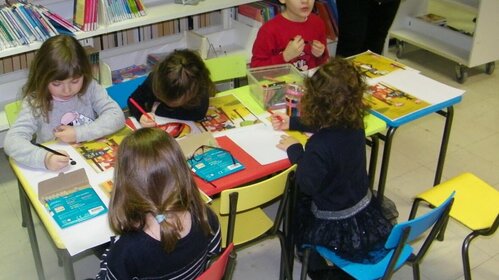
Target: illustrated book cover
[374,65]
[213,164]
[391,102]
[101,153]
[226,112]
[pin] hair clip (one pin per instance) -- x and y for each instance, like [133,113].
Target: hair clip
[160,218]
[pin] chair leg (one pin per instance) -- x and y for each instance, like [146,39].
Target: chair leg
[23,205]
[416,275]
[304,264]
[285,266]
[465,254]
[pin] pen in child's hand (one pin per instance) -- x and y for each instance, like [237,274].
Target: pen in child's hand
[55,152]
[272,114]
[142,110]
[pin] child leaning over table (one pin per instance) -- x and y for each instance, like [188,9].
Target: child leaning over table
[179,87]
[60,101]
[294,36]
[165,230]
[335,206]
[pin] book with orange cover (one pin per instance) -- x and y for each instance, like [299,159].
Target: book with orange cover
[101,153]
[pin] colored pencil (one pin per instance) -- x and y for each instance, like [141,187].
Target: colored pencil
[55,152]
[134,103]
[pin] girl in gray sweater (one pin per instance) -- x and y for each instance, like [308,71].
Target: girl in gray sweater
[60,101]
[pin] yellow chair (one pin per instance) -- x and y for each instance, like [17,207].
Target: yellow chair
[12,110]
[476,205]
[229,67]
[241,215]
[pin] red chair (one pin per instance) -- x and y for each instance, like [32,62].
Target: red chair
[216,271]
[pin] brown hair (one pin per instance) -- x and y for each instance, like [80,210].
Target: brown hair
[182,79]
[60,57]
[152,176]
[333,96]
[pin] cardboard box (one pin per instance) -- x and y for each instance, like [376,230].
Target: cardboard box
[268,84]
[70,199]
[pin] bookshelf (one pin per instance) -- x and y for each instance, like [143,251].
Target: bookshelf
[478,47]
[157,11]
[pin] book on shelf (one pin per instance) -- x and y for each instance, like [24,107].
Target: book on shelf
[70,199]
[129,73]
[93,55]
[325,13]
[119,10]
[434,19]
[101,154]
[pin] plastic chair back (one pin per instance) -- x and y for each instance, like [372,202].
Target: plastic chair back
[418,225]
[12,111]
[217,269]
[256,194]
[226,67]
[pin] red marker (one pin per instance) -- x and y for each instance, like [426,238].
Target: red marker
[142,110]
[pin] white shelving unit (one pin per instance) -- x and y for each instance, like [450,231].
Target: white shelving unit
[479,18]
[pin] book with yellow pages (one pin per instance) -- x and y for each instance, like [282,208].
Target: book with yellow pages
[391,102]
[101,153]
[374,65]
[226,112]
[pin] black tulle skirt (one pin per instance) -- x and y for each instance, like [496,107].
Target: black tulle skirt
[354,238]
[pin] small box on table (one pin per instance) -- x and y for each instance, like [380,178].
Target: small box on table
[268,84]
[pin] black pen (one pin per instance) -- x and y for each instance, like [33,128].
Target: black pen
[72,162]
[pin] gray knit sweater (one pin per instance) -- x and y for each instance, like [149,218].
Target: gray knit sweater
[93,115]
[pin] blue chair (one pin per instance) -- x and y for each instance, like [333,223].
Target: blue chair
[397,244]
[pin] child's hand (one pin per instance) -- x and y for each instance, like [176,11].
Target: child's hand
[280,121]
[55,162]
[65,133]
[286,141]
[147,120]
[294,48]
[317,48]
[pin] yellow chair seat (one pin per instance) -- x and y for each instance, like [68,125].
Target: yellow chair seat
[250,224]
[471,194]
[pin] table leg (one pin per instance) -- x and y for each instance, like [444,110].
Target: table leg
[24,204]
[67,262]
[32,234]
[385,160]
[373,159]
[449,116]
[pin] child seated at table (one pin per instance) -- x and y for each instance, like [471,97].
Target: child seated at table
[165,230]
[179,87]
[61,101]
[335,207]
[294,36]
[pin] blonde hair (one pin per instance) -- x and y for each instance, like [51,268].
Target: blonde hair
[152,176]
[60,57]
[334,96]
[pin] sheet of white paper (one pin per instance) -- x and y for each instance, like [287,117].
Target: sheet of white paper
[259,141]
[420,86]
[87,234]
